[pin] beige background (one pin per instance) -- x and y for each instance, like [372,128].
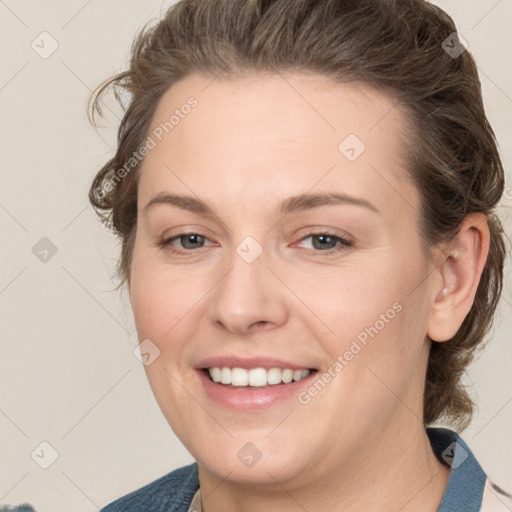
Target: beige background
[68,373]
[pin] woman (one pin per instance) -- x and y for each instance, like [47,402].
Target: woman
[305,195]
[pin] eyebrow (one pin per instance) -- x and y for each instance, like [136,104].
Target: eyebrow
[293,204]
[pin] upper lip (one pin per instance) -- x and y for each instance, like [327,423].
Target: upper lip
[248,363]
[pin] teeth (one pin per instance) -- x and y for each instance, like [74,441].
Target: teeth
[255,377]
[239,377]
[287,376]
[216,374]
[274,376]
[225,376]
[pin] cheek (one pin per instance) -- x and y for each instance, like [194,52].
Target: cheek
[157,297]
[347,300]
[162,309]
[149,301]
[167,305]
[370,316]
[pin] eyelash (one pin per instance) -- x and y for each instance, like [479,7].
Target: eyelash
[344,244]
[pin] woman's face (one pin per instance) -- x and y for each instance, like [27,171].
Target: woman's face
[302,252]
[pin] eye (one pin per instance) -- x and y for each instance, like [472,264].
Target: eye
[328,242]
[189,242]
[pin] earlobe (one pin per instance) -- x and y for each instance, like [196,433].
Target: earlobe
[461,264]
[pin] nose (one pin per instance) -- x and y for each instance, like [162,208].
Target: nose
[248,298]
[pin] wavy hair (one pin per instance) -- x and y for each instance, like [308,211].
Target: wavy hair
[401,47]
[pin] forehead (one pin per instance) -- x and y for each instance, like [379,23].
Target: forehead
[253,136]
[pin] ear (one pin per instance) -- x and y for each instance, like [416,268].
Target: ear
[461,265]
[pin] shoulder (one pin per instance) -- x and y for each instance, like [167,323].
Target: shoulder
[172,492]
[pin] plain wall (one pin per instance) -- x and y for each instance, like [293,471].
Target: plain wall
[68,373]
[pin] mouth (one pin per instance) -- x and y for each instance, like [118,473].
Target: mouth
[255,378]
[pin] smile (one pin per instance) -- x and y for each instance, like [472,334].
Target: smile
[255,377]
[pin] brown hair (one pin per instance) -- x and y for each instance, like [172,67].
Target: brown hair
[401,47]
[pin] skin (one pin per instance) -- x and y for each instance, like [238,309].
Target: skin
[250,144]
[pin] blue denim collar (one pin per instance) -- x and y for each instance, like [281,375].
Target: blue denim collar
[466,484]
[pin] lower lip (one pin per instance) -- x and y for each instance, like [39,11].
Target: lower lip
[250,399]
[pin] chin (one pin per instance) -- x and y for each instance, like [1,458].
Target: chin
[258,462]
[264,474]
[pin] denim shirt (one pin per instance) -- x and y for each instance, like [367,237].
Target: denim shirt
[468,489]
